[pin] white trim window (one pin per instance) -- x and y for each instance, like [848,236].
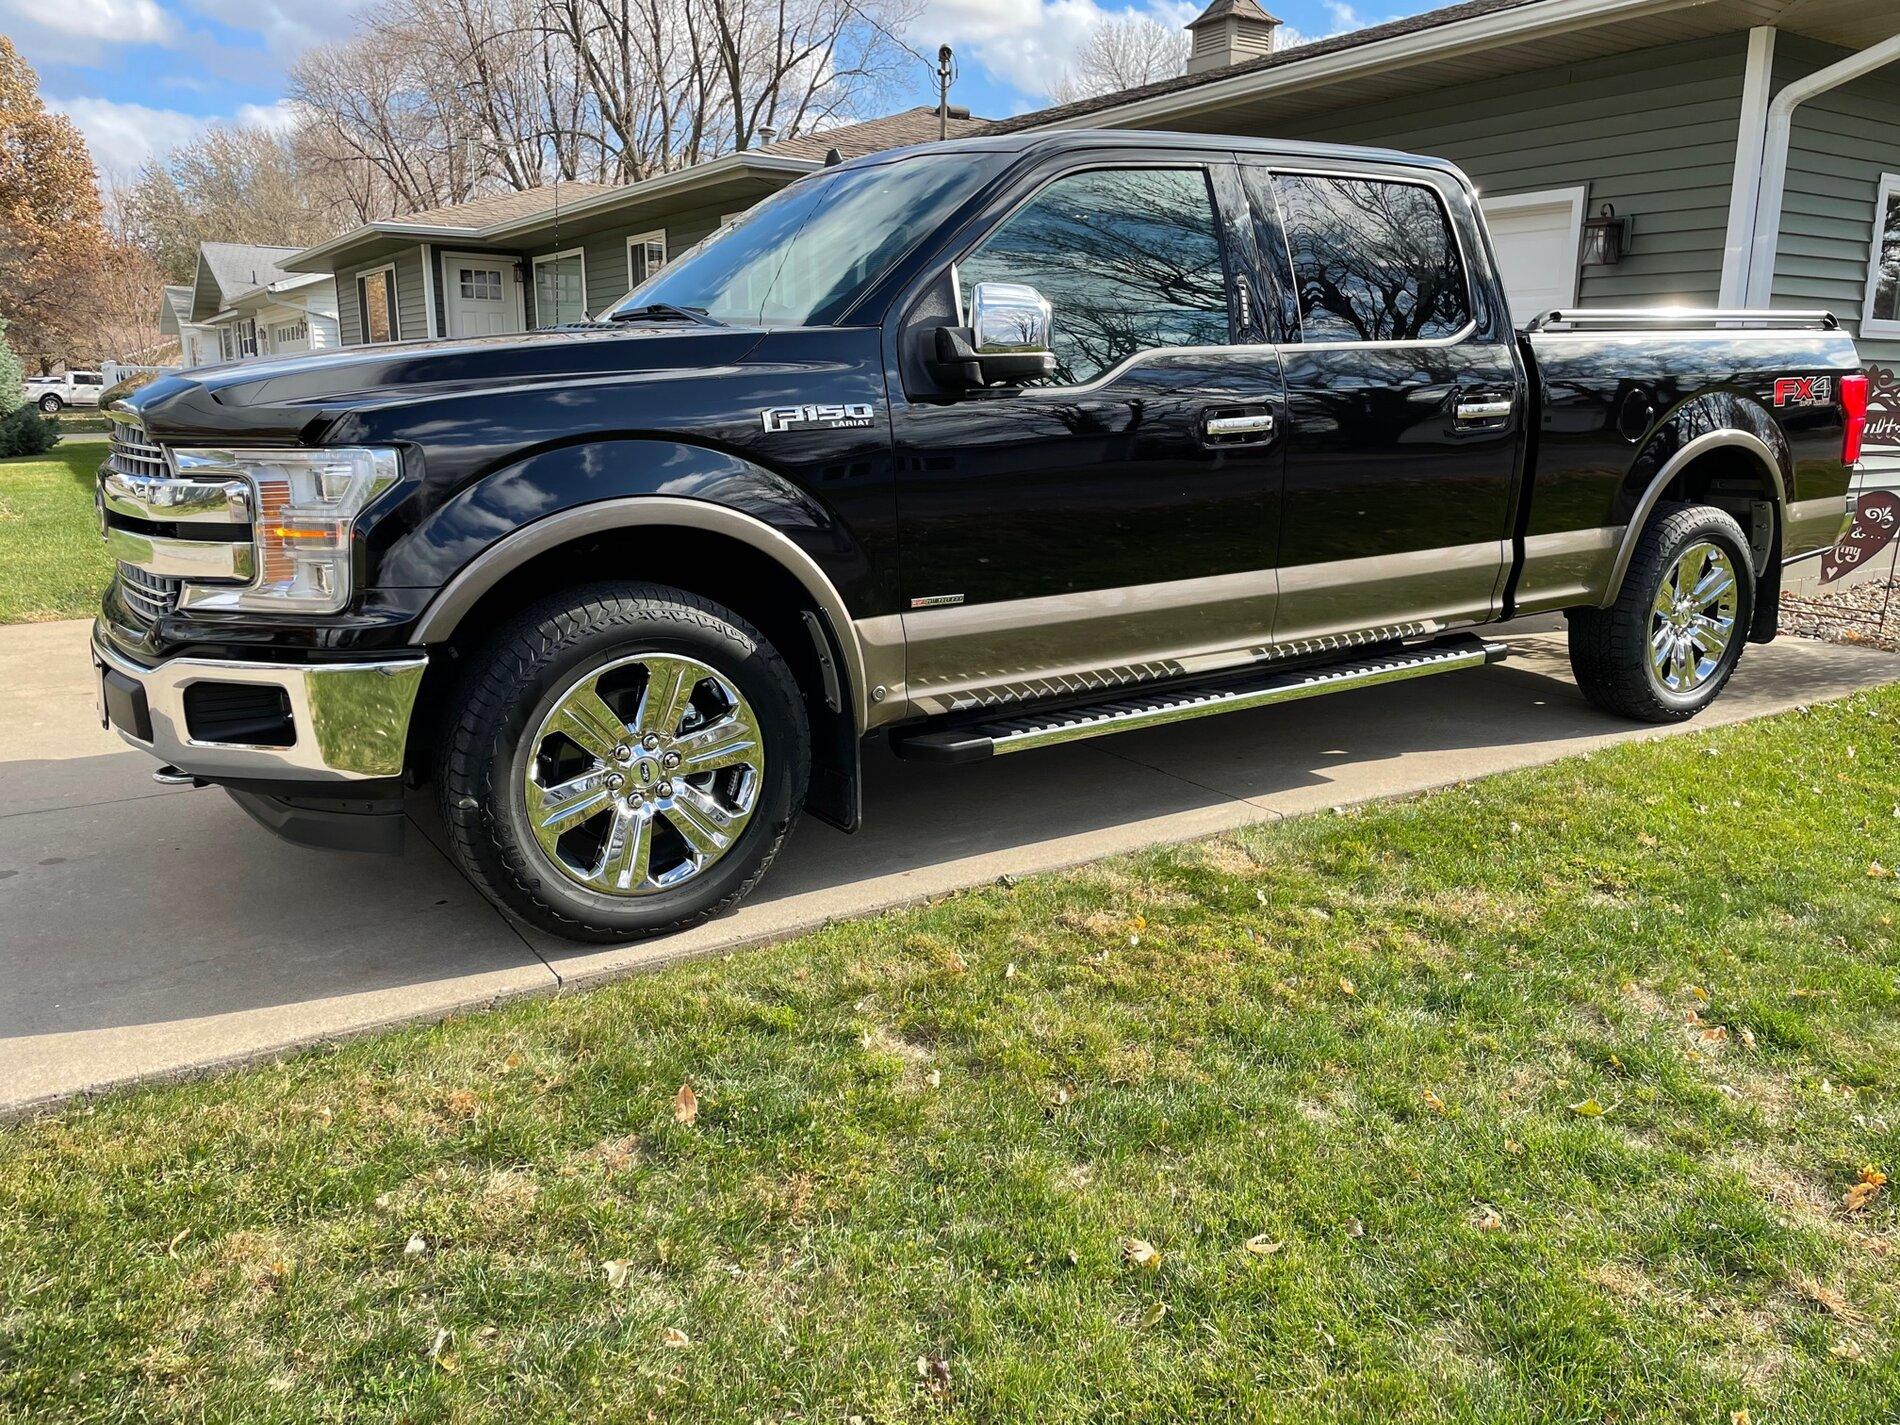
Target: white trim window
[646,255]
[560,288]
[1880,313]
[376,304]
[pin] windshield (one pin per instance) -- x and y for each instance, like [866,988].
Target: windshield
[802,257]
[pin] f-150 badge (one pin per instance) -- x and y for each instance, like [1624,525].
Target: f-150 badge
[784,418]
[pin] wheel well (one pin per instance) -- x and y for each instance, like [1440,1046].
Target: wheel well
[1733,480]
[714,566]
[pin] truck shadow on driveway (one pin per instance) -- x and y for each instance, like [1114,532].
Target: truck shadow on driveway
[143,930]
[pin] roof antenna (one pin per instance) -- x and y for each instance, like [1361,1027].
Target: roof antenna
[833,158]
[946,76]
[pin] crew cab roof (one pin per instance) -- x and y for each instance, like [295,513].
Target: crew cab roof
[1142,140]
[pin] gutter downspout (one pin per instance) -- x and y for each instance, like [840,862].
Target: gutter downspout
[1758,81]
[1774,168]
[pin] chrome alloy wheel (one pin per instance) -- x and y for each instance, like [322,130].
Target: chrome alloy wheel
[643,774]
[1692,621]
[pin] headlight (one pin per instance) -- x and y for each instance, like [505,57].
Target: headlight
[304,505]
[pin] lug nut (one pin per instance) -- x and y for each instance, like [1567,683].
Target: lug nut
[670,761]
[616,782]
[666,789]
[650,741]
[623,752]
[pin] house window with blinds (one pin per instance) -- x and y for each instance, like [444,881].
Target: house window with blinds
[646,255]
[560,289]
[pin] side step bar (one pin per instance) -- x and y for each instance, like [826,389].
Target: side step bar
[996,736]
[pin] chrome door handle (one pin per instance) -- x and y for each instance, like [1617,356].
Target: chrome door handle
[1486,408]
[1227,427]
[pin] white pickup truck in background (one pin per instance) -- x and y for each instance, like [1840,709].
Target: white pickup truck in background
[53,394]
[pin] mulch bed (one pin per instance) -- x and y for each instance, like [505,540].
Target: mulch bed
[1867,614]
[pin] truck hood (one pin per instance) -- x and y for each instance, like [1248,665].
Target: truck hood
[300,397]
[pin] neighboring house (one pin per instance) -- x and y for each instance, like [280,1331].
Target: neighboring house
[517,261]
[244,303]
[1717,152]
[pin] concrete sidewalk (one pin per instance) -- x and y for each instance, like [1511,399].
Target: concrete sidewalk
[146,930]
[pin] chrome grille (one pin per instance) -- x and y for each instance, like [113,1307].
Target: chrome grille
[150,596]
[133,454]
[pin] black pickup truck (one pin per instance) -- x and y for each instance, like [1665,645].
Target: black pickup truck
[980,446]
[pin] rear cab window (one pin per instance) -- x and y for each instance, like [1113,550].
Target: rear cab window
[1363,259]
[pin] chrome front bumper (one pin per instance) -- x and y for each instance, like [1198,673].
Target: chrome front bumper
[347,721]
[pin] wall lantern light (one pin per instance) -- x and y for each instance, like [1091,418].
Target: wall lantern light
[1606,238]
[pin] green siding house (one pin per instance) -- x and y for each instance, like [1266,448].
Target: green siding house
[1748,149]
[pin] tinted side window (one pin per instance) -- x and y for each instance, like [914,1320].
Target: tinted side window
[1372,261]
[1129,258]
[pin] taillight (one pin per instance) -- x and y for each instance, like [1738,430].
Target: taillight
[1854,404]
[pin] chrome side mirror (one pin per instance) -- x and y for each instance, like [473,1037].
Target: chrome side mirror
[1007,341]
[1010,319]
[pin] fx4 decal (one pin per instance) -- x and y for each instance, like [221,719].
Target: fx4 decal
[1804,390]
[784,418]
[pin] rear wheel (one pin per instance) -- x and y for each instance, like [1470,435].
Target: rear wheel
[1665,649]
[51,404]
[624,760]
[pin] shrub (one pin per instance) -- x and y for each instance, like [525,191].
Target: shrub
[24,431]
[12,374]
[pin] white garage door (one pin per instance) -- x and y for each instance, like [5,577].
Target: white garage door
[1535,235]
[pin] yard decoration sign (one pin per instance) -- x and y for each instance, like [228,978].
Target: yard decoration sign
[1877,514]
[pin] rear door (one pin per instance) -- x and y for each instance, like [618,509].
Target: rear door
[1404,396]
[1116,521]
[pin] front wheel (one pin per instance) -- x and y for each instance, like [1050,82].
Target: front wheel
[622,761]
[51,404]
[1665,649]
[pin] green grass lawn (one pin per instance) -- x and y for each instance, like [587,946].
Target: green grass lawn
[52,561]
[1560,1097]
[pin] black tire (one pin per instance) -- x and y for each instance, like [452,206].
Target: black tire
[51,404]
[1610,648]
[520,674]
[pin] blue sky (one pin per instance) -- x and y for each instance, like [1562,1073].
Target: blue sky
[141,75]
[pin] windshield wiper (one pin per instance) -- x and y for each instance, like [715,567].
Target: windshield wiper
[696,315]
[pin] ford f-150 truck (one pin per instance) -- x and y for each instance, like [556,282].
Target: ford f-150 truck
[978,446]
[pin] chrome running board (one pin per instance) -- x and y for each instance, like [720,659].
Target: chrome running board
[996,736]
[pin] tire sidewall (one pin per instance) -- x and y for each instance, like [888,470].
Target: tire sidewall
[758,675]
[1710,526]
[50,405]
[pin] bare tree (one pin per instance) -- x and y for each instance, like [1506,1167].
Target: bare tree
[1122,53]
[229,185]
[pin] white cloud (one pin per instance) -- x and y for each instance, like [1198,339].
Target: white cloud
[286,27]
[1031,43]
[280,117]
[82,31]
[123,136]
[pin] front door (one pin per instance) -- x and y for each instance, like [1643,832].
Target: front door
[1103,525]
[1403,393]
[480,295]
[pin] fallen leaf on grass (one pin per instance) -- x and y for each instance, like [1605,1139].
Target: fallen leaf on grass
[1434,1102]
[1738,1417]
[1825,1297]
[1487,1218]
[415,1246]
[1589,1108]
[462,1103]
[1346,986]
[934,1369]
[1845,1350]
[1355,1228]
[1263,1245]
[440,1353]
[1152,1316]
[934,1078]
[675,1338]
[1856,1198]
[617,1272]
[1878,872]
[685,1104]
[171,1247]
[1138,1253]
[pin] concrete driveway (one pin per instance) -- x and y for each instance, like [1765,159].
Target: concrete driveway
[147,930]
